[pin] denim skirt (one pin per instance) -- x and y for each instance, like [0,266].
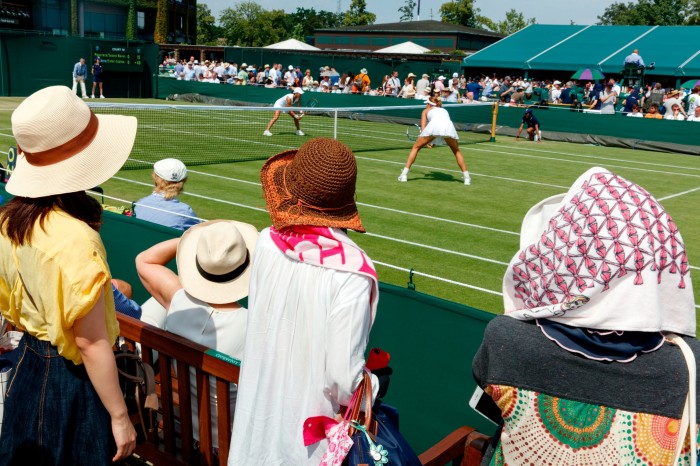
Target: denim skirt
[53,415]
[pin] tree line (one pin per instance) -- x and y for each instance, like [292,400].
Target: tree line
[248,24]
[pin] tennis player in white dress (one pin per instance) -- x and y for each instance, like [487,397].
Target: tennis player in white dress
[285,102]
[436,125]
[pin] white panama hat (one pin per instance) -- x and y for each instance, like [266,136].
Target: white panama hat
[214,258]
[63,146]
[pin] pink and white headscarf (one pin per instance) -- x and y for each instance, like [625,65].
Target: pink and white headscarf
[327,247]
[605,255]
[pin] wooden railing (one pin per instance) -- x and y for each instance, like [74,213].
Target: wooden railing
[167,445]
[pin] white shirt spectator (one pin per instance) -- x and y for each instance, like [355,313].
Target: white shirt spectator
[421,85]
[395,85]
[555,94]
[677,117]
[289,78]
[318,324]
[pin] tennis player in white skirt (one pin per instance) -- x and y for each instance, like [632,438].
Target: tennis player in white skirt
[283,103]
[436,124]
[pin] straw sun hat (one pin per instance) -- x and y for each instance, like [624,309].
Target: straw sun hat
[313,185]
[213,260]
[64,147]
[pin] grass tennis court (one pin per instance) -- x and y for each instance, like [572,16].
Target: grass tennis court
[457,239]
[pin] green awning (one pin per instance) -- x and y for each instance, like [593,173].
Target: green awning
[675,50]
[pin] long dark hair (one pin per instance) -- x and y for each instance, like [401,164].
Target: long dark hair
[19,215]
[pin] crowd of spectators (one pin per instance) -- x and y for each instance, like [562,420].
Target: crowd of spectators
[651,101]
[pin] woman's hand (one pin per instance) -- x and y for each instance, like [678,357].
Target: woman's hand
[124,436]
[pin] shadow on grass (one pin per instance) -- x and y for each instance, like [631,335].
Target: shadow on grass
[439,176]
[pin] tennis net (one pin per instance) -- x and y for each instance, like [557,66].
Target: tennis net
[202,135]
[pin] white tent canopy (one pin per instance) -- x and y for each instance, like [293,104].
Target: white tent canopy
[404,47]
[291,44]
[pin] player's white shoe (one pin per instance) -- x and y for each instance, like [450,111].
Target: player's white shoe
[267,133]
[403,178]
[300,132]
[467,181]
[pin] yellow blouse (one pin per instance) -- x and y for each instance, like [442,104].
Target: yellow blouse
[64,269]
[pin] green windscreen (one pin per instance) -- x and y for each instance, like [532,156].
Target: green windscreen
[431,341]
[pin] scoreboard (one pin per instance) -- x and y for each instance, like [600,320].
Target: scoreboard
[119,57]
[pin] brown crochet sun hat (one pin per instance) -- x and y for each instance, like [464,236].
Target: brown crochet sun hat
[313,185]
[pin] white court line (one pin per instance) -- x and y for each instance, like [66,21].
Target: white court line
[679,194]
[189,193]
[388,238]
[417,273]
[457,171]
[392,266]
[598,157]
[326,129]
[586,163]
[446,280]
[456,222]
[435,248]
[372,206]
[368,205]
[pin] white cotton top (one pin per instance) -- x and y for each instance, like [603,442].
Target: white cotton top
[222,331]
[282,101]
[307,333]
[439,124]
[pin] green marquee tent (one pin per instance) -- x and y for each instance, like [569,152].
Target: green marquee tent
[675,50]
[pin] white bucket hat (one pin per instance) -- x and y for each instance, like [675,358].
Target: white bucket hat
[63,146]
[213,260]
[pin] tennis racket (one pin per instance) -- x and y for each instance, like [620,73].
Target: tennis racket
[412,132]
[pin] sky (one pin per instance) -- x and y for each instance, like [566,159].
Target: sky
[544,11]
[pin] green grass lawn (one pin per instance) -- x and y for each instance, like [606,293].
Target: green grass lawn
[457,239]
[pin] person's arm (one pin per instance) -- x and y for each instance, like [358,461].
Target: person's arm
[290,104]
[161,282]
[537,131]
[98,358]
[424,119]
[520,130]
